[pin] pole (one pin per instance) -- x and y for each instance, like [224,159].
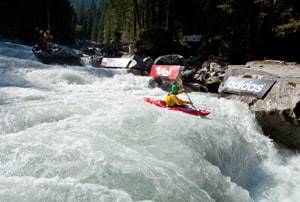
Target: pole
[48,15]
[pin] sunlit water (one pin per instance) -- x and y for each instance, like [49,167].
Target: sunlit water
[85,134]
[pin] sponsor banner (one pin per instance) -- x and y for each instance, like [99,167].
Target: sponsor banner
[115,62]
[171,71]
[254,87]
[191,38]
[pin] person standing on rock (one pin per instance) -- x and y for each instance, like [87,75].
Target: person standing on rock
[172,100]
[101,46]
[41,36]
[47,39]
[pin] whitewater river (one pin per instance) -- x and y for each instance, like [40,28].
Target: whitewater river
[81,134]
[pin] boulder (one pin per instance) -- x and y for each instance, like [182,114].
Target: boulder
[139,66]
[188,75]
[211,75]
[139,63]
[161,82]
[95,60]
[58,54]
[172,59]
[278,113]
[206,78]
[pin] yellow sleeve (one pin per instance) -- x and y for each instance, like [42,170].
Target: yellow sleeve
[180,102]
[172,100]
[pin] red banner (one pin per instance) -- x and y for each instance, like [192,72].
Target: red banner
[171,71]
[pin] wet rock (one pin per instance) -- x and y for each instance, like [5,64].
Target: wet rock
[138,63]
[278,113]
[188,75]
[162,82]
[206,78]
[172,59]
[95,60]
[213,83]
[58,54]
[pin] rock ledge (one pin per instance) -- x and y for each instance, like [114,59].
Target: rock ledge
[278,113]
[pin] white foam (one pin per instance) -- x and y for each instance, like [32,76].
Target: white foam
[82,133]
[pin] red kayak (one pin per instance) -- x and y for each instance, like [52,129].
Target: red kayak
[185,108]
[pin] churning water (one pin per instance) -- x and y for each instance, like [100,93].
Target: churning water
[72,133]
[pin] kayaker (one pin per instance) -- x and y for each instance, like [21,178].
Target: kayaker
[172,100]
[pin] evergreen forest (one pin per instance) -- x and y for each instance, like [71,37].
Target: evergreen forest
[239,30]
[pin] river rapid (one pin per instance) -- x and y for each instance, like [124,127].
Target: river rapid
[71,133]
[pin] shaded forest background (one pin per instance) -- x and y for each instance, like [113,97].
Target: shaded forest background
[239,30]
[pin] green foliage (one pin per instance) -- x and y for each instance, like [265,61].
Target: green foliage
[78,31]
[230,28]
[226,7]
[292,84]
[91,19]
[292,27]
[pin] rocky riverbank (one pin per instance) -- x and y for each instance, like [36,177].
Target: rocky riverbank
[278,113]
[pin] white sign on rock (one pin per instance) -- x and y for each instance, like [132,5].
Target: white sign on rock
[115,62]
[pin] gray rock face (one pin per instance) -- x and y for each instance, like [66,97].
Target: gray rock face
[278,112]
